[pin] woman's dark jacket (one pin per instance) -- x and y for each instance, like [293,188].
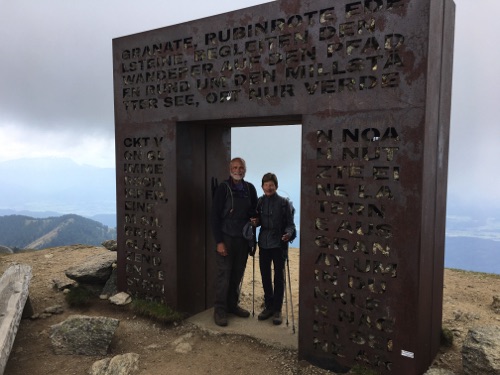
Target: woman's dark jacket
[276,219]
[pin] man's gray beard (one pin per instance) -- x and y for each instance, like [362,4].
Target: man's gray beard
[236,177]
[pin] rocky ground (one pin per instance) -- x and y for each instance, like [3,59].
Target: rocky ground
[467,302]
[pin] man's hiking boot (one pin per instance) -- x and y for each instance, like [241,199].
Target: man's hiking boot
[220,318]
[238,311]
[277,320]
[265,314]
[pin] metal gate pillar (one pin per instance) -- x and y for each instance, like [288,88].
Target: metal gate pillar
[370,81]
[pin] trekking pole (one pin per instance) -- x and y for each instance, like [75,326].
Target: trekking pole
[286,297]
[291,301]
[239,288]
[253,285]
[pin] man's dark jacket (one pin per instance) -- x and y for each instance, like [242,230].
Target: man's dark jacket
[233,206]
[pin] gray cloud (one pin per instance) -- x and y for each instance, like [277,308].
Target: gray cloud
[56,74]
[56,66]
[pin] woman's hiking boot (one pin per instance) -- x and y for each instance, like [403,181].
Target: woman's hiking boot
[277,319]
[265,314]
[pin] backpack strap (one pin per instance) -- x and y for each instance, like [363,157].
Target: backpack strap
[230,191]
[286,209]
[259,205]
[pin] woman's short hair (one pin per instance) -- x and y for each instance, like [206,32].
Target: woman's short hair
[270,177]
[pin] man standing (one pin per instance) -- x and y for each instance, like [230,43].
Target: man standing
[234,205]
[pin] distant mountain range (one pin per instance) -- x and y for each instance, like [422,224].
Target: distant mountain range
[106,219]
[18,232]
[56,187]
[38,230]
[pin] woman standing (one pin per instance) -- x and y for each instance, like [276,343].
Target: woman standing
[277,229]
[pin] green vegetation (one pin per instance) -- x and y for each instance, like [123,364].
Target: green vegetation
[79,297]
[446,338]
[156,311]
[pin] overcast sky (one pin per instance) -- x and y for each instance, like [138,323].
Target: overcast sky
[56,92]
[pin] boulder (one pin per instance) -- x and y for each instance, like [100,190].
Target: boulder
[126,364]
[481,351]
[83,335]
[110,288]
[111,245]
[63,284]
[95,270]
[54,310]
[120,299]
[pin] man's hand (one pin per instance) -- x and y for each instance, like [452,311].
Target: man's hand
[221,249]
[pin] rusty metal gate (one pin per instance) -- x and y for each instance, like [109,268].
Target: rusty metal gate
[370,83]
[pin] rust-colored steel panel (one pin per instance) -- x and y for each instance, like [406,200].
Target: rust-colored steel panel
[146,220]
[370,81]
[358,285]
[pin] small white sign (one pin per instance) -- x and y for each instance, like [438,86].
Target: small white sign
[405,353]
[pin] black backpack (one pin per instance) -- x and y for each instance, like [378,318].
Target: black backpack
[287,204]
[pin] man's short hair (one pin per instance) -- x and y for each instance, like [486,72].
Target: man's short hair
[270,177]
[241,160]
